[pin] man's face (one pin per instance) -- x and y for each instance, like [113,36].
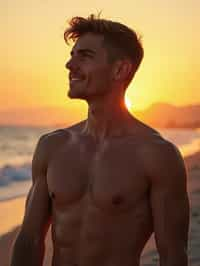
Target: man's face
[90,73]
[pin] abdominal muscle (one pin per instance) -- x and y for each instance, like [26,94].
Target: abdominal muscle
[85,235]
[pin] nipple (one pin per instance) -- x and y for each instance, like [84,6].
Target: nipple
[116,200]
[52,195]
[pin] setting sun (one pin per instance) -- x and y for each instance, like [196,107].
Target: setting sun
[128,103]
[33,74]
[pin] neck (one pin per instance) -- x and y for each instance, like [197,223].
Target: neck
[107,117]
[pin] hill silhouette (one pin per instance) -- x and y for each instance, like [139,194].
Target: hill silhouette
[171,116]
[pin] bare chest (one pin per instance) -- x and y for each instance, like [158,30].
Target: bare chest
[111,176]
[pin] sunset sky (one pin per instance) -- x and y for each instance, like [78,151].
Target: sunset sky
[33,52]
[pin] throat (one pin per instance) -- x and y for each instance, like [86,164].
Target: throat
[109,125]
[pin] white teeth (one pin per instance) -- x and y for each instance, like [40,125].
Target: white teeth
[75,79]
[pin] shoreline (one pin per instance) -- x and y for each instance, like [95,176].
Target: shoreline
[11,198]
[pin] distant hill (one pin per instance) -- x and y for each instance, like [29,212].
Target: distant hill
[161,115]
[170,116]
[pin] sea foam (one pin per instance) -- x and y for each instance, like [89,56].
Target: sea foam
[14,173]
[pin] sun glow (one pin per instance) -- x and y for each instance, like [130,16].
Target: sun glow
[128,103]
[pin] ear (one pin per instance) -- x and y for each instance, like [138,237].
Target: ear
[122,70]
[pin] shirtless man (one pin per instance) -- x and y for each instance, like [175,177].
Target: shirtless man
[107,183]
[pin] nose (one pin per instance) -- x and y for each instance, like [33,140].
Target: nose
[68,64]
[72,64]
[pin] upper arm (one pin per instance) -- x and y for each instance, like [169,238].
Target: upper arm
[38,206]
[169,200]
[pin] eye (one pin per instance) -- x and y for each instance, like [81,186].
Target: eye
[86,55]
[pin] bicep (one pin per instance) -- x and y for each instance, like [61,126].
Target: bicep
[169,202]
[37,210]
[170,211]
[38,205]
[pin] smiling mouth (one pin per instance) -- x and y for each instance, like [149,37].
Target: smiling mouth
[75,79]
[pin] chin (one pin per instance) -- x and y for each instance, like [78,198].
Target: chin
[76,95]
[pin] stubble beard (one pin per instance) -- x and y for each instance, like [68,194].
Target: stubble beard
[76,93]
[86,93]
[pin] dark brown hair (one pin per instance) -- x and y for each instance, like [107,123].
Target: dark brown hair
[120,40]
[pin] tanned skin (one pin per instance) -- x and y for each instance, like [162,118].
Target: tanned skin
[105,184]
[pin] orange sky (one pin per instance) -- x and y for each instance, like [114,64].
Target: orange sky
[33,52]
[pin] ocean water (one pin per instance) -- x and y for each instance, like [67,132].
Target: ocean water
[17,145]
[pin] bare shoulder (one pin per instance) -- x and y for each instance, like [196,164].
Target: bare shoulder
[77,127]
[162,160]
[162,150]
[49,143]
[47,146]
[154,145]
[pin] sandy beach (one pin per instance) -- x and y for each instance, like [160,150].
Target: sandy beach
[11,214]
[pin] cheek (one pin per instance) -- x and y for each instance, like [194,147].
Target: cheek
[101,75]
[98,77]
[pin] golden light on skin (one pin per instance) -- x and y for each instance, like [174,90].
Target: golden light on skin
[128,103]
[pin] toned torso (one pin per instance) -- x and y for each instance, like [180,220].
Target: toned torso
[101,212]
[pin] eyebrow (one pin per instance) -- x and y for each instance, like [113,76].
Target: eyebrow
[84,51]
